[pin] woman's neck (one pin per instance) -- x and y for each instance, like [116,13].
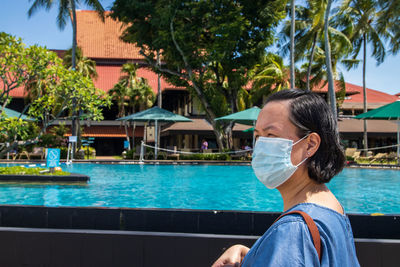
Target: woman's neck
[301,189]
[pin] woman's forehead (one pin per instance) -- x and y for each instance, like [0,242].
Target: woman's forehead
[274,115]
[274,111]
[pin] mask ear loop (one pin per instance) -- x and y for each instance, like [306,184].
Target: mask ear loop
[307,152]
[301,139]
[301,162]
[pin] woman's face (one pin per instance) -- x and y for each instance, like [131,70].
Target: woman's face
[273,121]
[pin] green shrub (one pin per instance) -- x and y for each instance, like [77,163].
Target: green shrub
[150,155]
[83,152]
[63,152]
[129,154]
[206,156]
[162,155]
[19,170]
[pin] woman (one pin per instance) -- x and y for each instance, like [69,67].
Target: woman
[298,151]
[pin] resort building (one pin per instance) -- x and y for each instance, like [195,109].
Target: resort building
[100,42]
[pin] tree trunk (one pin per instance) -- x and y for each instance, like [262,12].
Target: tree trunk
[75,120]
[331,85]
[292,31]
[310,61]
[159,102]
[365,91]
[74,43]
[218,134]
[199,92]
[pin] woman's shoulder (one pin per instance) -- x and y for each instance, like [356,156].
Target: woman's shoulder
[318,212]
[287,228]
[290,233]
[329,222]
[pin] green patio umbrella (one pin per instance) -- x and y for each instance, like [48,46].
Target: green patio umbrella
[386,112]
[247,117]
[249,130]
[12,113]
[157,115]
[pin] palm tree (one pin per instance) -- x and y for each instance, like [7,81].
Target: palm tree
[84,65]
[388,21]
[268,76]
[292,49]
[331,86]
[119,94]
[132,91]
[309,33]
[364,16]
[67,10]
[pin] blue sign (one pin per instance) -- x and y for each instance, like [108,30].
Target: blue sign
[53,157]
[126,144]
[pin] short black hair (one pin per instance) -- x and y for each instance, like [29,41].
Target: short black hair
[309,112]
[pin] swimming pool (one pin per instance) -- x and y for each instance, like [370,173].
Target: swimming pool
[198,187]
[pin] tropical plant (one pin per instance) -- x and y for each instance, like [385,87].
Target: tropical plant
[67,10]
[87,68]
[271,75]
[389,21]
[292,44]
[196,38]
[60,89]
[84,65]
[132,92]
[364,15]
[310,44]
[328,60]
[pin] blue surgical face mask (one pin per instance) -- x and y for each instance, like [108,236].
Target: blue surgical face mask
[272,162]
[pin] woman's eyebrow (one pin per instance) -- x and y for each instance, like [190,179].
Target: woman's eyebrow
[269,127]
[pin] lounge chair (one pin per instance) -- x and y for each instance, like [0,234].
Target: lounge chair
[356,155]
[137,152]
[392,156]
[368,157]
[380,157]
[13,154]
[349,152]
[241,155]
[37,152]
[174,154]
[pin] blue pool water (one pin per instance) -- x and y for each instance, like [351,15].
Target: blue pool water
[198,187]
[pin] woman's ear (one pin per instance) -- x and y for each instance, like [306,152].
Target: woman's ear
[313,142]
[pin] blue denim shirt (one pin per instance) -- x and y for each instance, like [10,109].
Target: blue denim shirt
[288,242]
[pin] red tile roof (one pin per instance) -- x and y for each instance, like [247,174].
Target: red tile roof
[350,89]
[375,98]
[102,40]
[108,76]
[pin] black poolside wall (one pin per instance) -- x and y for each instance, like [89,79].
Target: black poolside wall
[48,236]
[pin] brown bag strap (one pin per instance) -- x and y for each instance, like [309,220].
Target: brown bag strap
[311,226]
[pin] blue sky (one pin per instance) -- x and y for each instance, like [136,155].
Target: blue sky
[41,29]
